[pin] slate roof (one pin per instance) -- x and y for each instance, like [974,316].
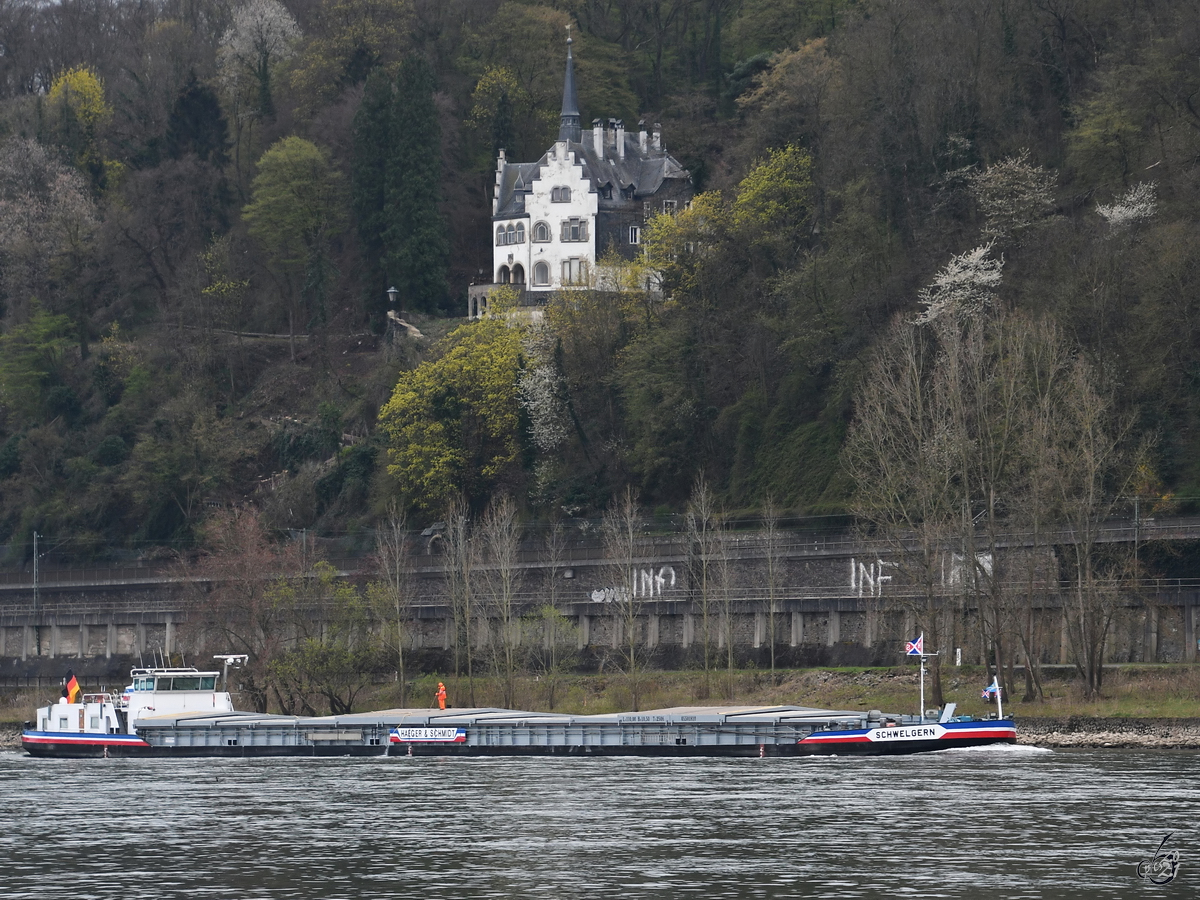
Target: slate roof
[645,174]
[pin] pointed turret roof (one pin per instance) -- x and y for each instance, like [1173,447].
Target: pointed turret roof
[570,127]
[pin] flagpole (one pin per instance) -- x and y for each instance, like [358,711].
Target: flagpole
[999,700]
[917,648]
[921,711]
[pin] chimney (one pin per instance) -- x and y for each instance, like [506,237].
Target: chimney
[620,138]
[598,137]
[500,163]
[642,136]
[657,136]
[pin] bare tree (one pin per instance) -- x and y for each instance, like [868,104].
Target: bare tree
[703,531]
[461,560]
[901,455]
[553,637]
[773,561]
[723,570]
[393,594]
[236,605]
[620,528]
[1093,468]
[501,534]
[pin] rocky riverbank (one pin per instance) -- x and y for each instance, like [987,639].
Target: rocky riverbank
[10,736]
[1094,731]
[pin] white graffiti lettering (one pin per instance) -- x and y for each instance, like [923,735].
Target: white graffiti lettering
[868,580]
[645,583]
[954,572]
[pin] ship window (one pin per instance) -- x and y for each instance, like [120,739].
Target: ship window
[188,683]
[208,683]
[94,723]
[143,684]
[62,723]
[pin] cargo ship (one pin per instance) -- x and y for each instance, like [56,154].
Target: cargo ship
[177,712]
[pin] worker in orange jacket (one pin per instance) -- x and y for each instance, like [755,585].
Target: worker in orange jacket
[441,696]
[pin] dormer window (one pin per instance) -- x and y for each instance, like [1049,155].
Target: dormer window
[560,195]
[606,192]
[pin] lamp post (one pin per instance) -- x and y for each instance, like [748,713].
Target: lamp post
[394,299]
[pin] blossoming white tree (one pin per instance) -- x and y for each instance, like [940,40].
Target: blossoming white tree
[1138,204]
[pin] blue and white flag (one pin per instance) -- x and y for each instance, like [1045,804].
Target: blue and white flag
[915,648]
[991,690]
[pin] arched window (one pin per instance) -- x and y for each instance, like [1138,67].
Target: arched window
[510,235]
[520,232]
[560,195]
[541,273]
[541,233]
[499,235]
[502,275]
[518,274]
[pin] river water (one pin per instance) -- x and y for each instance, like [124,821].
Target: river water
[1002,822]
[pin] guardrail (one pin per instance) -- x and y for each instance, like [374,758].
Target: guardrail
[1136,592]
[590,551]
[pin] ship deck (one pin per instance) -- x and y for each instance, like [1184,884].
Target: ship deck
[482,730]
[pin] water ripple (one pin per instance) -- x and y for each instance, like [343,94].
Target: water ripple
[1006,822]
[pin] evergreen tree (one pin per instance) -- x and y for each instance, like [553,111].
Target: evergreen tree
[417,246]
[196,125]
[372,142]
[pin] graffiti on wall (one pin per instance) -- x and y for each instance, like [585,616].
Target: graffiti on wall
[954,570]
[868,578]
[646,583]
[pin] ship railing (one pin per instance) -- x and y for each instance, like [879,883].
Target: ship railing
[99,698]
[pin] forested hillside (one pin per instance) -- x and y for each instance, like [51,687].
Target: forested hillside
[203,202]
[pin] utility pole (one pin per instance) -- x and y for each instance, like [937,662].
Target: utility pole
[37,627]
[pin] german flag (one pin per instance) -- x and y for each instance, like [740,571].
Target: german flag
[72,689]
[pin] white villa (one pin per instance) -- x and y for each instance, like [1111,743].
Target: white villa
[592,191]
